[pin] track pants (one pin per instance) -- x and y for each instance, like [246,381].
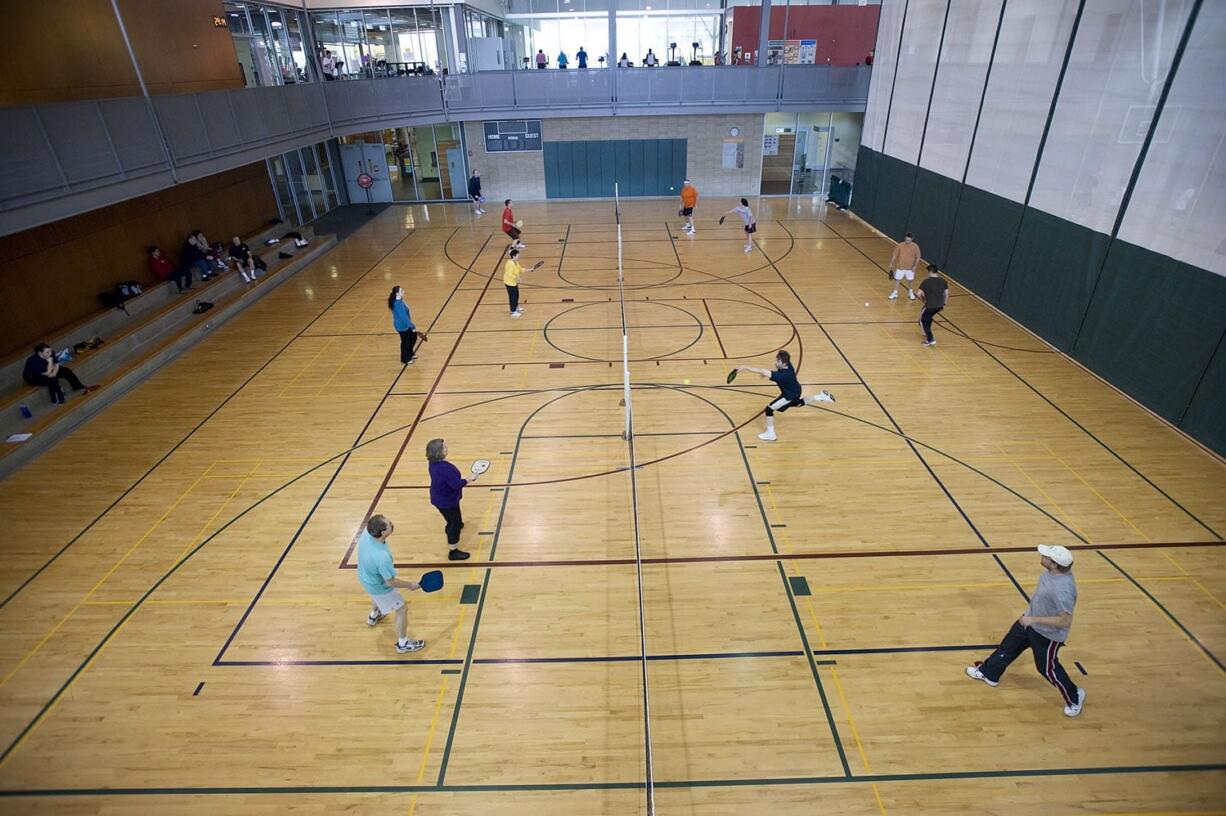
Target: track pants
[926,320]
[455,520]
[1046,659]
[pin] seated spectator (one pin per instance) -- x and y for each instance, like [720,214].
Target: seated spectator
[42,369]
[194,255]
[163,269]
[624,62]
[650,60]
[245,260]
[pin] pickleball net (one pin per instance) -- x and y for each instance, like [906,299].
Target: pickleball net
[628,435]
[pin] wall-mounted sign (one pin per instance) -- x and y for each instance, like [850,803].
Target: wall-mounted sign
[513,134]
[808,52]
[734,154]
[770,145]
[220,22]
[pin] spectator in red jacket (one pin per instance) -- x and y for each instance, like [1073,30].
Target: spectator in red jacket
[163,269]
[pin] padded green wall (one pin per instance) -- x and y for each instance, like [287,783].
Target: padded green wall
[640,167]
[1150,325]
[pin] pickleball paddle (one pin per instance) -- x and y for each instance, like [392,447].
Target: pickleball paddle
[480,466]
[721,220]
[537,265]
[432,581]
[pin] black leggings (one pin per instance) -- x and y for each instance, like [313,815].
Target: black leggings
[926,320]
[513,297]
[781,404]
[408,340]
[455,520]
[53,383]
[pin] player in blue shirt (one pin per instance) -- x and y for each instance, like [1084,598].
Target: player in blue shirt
[784,376]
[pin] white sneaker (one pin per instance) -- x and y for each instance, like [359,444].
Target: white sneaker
[767,436]
[822,396]
[748,248]
[410,646]
[910,294]
[1074,710]
[974,673]
[929,343]
[372,619]
[893,295]
[516,315]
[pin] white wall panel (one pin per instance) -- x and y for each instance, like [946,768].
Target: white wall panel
[1179,205]
[1033,39]
[1119,63]
[889,27]
[959,85]
[921,38]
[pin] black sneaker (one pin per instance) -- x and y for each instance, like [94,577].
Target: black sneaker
[458,555]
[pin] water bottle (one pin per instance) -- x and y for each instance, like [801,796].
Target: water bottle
[26,412]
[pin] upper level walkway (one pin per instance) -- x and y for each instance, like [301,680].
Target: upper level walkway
[62,159]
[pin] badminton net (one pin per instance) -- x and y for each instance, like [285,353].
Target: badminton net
[628,435]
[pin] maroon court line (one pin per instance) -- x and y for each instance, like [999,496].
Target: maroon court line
[702,559]
[420,411]
[715,329]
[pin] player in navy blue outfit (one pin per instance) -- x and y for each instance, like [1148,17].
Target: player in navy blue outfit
[784,376]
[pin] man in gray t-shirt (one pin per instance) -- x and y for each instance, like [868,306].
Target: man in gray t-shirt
[1042,628]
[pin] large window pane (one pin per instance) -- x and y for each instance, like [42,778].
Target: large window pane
[1119,63]
[328,41]
[353,45]
[1033,39]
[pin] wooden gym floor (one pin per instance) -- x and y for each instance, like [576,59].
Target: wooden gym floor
[183,630]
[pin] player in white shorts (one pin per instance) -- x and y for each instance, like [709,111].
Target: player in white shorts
[902,263]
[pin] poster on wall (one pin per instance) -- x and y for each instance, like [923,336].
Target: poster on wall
[808,52]
[791,52]
[774,52]
[734,154]
[770,145]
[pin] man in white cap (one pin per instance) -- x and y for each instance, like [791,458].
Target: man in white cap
[1042,628]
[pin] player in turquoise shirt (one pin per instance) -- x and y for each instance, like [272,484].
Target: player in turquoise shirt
[377,574]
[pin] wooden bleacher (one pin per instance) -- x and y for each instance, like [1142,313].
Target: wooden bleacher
[151,330]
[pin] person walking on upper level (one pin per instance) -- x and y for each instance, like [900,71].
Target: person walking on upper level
[689,200]
[541,59]
[402,322]
[562,61]
[902,265]
[581,56]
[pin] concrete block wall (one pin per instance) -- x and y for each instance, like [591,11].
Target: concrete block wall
[521,176]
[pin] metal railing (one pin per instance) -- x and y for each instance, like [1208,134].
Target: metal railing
[61,159]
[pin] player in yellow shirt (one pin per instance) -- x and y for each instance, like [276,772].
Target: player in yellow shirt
[511,273]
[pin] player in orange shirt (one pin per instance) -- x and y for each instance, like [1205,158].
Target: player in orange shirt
[689,200]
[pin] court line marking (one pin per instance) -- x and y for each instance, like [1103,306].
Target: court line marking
[818,555]
[1060,410]
[1170,615]
[140,480]
[1109,770]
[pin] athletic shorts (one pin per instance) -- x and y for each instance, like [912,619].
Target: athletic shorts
[513,232]
[781,404]
[750,229]
[909,274]
[388,602]
[687,211]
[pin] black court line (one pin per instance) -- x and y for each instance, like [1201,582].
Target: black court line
[140,480]
[336,474]
[747,782]
[898,428]
[978,647]
[1170,615]
[199,688]
[1060,410]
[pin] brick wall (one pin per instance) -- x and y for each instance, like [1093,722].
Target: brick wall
[522,175]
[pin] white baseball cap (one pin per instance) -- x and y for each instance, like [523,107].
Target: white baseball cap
[1061,555]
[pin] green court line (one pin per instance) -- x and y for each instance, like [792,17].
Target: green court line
[450,671]
[633,785]
[1165,611]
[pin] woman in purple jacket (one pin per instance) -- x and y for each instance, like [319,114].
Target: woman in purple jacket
[446,490]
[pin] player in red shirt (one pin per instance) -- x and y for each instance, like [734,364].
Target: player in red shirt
[508,226]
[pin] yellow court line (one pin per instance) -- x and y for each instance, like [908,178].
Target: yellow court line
[1094,490]
[1068,516]
[838,685]
[304,368]
[880,804]
[357,347]
[218,512]
[26,658]
[425,752]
